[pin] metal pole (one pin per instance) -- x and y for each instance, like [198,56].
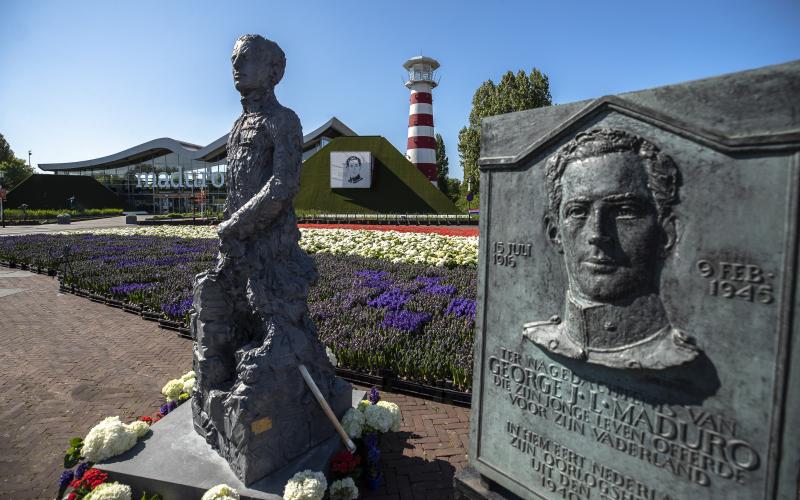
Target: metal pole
[326,408]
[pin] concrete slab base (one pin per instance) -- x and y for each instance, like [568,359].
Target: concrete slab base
[174,461]
[469,485]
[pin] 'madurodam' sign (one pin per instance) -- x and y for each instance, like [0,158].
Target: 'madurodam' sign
[180,179]
[638,295]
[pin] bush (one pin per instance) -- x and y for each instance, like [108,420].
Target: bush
[45,214]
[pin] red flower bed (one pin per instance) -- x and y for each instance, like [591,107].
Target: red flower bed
[444,230]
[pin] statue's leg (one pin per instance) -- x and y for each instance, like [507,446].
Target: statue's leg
[213,362]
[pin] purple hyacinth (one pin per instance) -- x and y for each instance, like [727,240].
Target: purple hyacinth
[373,279]
[392,299]
[429,280]
[407,321]
[462,307]
[434,286]
[374,396]
[440,289]
[81,469]
[168,407]
[177,309]
[65,479]
[129,288]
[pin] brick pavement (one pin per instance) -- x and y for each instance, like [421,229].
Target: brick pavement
[419,461]
[68,362]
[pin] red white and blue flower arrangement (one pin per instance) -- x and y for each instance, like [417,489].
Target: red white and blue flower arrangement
[112,437]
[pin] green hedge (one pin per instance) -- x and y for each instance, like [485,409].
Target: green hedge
[397,186]
[46,213]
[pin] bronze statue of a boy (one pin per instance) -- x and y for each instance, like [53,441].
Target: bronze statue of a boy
[250,321]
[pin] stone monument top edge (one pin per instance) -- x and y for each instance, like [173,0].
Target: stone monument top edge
[694,107]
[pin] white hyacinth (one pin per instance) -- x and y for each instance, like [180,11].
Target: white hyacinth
[394,411]
[343,489]
[221,492]
[353,423]
[110,491]
[110,438]
[331,356]
[378,418]
[306,485]
[172,390]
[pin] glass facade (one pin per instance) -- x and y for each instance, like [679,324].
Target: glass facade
[158,180]
[164,184]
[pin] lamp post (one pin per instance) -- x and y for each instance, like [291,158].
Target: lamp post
[29,158]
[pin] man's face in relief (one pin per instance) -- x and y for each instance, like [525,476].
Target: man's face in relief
[608,228]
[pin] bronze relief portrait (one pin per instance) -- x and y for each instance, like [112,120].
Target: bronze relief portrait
[610,215]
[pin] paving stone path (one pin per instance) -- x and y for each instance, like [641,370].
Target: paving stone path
[67,363]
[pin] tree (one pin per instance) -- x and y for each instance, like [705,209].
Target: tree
[514,93]
[14,169]
[442,163]
[453,189]
[5,150]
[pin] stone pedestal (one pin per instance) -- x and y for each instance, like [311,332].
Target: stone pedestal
[176,462]
[469,485]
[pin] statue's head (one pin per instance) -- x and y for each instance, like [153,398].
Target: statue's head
[258,63]
[610,197]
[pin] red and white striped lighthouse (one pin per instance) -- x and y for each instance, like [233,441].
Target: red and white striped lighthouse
[421,147]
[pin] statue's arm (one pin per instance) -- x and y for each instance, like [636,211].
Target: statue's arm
[281,188]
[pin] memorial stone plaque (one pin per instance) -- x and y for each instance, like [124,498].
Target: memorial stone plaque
[636,333]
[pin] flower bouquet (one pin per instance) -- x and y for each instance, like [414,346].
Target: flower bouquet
[367,422]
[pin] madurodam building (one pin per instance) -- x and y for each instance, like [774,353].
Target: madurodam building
[342,173]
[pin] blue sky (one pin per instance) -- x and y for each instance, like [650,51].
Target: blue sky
[83,79]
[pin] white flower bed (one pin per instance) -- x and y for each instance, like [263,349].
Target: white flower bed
[165,231]
[410,248]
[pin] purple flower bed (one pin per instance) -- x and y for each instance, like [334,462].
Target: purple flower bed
[415,320]
[378,315]
[142,270]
